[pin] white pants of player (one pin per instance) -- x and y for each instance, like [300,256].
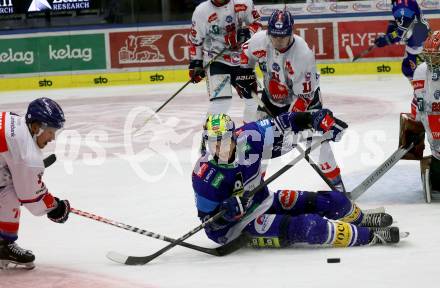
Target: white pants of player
[9,214]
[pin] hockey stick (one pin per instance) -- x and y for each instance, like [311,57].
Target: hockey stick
[381,170]
[49,160]
[360,55]
[181,88]
[220,251]
[142,260]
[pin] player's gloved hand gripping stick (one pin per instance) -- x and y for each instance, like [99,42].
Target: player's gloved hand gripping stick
[298,147]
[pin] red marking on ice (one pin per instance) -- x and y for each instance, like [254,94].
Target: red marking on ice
[50,277]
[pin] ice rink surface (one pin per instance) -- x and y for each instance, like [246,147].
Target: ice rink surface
[144,181]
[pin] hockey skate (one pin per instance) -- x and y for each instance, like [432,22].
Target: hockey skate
[13,256]
[376,220]
[387,235]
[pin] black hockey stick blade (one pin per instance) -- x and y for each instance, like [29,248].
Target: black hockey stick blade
[223,250]
[363,53]
[49,160]
[234,245]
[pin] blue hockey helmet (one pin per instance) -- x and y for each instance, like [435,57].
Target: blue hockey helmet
[280,23]
[404,12]
[45,111]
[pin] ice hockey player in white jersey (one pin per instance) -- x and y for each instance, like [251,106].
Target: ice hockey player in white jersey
[426,108]
[291,82]
[21,172]
[220,27]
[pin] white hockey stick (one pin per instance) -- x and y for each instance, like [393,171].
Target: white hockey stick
[380,171]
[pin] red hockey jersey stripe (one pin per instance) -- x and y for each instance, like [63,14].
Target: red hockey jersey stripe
[3,143]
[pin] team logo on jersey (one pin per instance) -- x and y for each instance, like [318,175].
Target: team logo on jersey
[287,199]
[263,223]
[202,170]
[418,84]
[217,180]
[229,19]
[212,18]
[437,94]
[434,125]
[308,76]
[263,66]
[435,76]
[276,67]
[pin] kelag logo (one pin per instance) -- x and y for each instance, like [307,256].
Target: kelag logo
[42,5]
[6,7]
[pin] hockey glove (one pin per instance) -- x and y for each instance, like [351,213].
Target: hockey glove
[61,212]
[323,121]
[196,71]
[235,208]
[382,41]
[243,34]
[296,121]
[246,83]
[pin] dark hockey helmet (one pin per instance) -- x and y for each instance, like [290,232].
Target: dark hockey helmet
[220,2]
[45,111]
[280,23]
[431,51]
[404,12]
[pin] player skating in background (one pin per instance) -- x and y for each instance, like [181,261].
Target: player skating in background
[219,25]
[21,172]
[426,84]
[291,81]
[410,28]
[232,167]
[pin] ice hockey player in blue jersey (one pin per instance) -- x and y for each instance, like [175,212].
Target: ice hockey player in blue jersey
[408,27]
[231,167]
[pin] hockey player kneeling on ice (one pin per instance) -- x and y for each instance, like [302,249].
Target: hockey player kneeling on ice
[21,172]
[426,108]
[291,80]
[231,168]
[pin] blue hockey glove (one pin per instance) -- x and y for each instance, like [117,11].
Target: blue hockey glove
[382,41]
[235,208]
[196,72]
[61,212]
[323,121]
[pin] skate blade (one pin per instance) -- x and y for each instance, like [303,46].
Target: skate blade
[11,265]
[374,210]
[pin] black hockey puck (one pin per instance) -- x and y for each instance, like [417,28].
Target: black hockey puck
[333,260]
